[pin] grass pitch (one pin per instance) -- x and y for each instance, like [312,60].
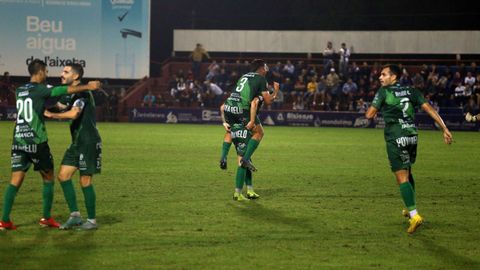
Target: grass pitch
[328,201]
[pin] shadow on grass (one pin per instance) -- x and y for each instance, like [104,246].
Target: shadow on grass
[448,258]
[256,212]
[47,249]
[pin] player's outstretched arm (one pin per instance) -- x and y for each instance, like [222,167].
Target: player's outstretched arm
[447,136]
[71,114]
[269,98]
[253,113]
[90,86]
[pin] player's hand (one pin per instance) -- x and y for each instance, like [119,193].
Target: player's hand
[226,126]
[94,85]
[250,125]
[447,137]
[47,114]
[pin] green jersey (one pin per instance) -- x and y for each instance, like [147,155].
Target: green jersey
[397,105]
[83,129]
[30,124]
[248,87]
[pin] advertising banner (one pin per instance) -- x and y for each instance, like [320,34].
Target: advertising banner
[109,38]
[293,118]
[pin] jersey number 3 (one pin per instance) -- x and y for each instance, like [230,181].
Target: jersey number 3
[24,107]
[241,84]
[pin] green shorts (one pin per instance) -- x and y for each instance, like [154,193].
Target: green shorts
[87,158]
[240,137]
[402,152]
[38,154]
[235,117]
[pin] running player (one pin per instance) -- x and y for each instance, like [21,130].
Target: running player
[397,105]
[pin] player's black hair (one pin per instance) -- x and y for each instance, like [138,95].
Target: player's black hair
[394,69]
[256,64]
[36,66]
[78,69]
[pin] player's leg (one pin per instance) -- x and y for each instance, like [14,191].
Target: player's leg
[20,165]
[43,163]
[47,195]
[90,164]
[251,194]
[90,202]
[16,181]
[401,158]
[69,166]
[252,145]
[239,182]
[227,143]
[65,178]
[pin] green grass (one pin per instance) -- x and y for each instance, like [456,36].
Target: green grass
[328,200]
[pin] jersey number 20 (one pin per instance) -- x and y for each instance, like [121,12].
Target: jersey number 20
[25,107]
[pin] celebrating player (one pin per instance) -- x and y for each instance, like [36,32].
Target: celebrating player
[238,106]
[397,104]
[85,152]
[241,108]
[30,141]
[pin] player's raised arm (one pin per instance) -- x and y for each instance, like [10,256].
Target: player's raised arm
[253,113]
[71,89]
[447,136]
[269,98]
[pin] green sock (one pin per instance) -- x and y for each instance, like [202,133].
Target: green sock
[248,178]
[225,149]
[240,179]
[90,198]
[251,147]
[70,197]
[8,200]
[47,198]
[408,195]
[411,181]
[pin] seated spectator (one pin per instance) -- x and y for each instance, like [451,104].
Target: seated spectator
[278,101]
[160,101]
[312,87]
[298,104]
[213,70]
[289,70]
[287,87]
[216,94]
[349,91]
[299,88]
[148,99]
[361,106]
[405,79]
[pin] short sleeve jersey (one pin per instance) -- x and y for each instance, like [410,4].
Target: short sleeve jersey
[83,129]
[30,103]
[397,105]
[248,87]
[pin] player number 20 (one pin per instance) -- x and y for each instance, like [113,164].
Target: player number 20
[24,107]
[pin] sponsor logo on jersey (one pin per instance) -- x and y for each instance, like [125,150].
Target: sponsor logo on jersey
[405,141]
[23,93]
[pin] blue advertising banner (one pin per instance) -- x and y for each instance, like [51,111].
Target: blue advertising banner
[109,38]
[292,118]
